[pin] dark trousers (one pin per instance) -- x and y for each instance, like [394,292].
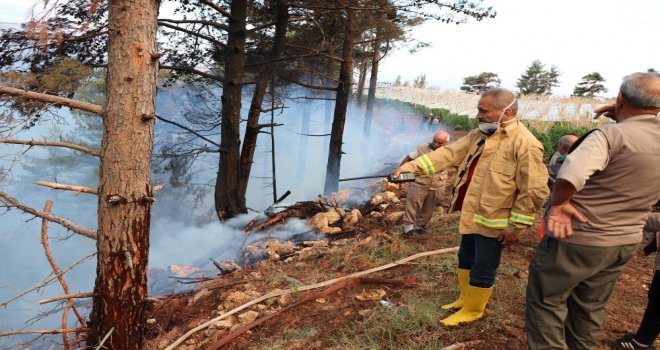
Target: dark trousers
[567,290]
[650,326]
[480,255]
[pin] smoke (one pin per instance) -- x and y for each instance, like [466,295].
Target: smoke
[184,227]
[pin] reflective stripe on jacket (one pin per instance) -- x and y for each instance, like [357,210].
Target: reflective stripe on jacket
[435,181]
[509,183]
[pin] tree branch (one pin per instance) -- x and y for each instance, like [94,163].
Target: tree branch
[46,331]
[338,59]
[56,100]
[193,71]
[217,8]
[60,278]
[190,131]
[272,23]
[81,189]
[74,188]
[288,58]
[50,217]
[196,21]
[194,33]
[54,144]
[310,86]
[66,296]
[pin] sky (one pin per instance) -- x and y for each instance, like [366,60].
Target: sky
[611,37]
[614,38]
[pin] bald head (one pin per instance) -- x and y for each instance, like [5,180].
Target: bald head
[642,90]
[565,143]
[440,138]
[501,98]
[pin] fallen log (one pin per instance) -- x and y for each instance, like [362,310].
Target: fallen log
[322,294]
[277,218]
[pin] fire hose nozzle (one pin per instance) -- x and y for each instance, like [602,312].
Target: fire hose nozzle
[403,177]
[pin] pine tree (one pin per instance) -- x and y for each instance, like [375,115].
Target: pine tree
[537,80]
[480,83]
[590,85]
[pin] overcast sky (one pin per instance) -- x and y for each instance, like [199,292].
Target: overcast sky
[611,37]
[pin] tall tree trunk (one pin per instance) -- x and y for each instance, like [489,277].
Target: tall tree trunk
[373,81]
[252,128]
[302,145]
[363,77]
[341,106]
[228,202]
[125,195]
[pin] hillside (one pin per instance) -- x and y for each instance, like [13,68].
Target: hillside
[397,314]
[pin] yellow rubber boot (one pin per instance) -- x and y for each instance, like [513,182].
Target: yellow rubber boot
[474,304]
[463,280]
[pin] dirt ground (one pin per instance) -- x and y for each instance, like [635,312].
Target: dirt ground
[408,319]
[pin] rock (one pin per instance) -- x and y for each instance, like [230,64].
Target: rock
[327,218]
[320,301]
[440,210]
[209,332]
[375,214]
[285,299]
[371,294]
[377,199]
[275,249]
[309,252]
[394,217]
[248,317]
[330,230]
[223,324]
[151,321]
[383,206]
[388,196]
[321,243]
[352,217]
[236,298]
[391,186]
[202,293]
[396,200]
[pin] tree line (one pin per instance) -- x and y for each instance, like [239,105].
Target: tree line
[536,80]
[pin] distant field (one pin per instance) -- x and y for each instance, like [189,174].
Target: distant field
[545,108]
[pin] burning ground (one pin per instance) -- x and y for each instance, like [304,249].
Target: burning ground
[396,307]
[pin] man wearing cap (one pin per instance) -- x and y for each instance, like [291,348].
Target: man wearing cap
[423,194]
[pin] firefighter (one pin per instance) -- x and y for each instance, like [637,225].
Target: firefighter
[422,195]
[501,184]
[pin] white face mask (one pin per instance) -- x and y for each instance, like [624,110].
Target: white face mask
[489,128]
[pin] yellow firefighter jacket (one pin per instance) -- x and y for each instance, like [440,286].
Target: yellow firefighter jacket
[509,183]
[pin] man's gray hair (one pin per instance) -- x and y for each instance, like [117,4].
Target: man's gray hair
[641,91]
[502,98]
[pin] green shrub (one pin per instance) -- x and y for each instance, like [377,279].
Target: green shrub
[548,132]
[554,132]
